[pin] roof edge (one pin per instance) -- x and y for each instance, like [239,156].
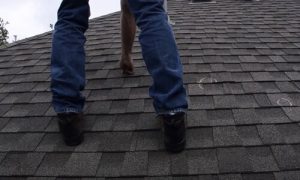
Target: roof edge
[49,32]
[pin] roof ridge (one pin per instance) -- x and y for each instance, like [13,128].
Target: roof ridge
[48,32]
[25,40]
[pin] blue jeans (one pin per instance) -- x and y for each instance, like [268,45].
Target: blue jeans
[158,48]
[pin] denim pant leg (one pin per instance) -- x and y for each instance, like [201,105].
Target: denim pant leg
[161,56]
[68,56]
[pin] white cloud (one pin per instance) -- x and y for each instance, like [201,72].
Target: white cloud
[30,17]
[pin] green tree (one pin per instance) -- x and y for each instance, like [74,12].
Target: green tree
[3,32]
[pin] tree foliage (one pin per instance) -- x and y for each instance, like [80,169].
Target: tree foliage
[3,32]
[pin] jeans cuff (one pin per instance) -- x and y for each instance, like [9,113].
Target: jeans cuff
[171,112]
[67,110]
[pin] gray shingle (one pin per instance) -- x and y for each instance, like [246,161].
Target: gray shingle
[4,109]
[287,175]
[248,59]
[118,106]
[197,118]
[52,164]
[135,164]
[81,164]
[6,79]
[272,115]
[53,125]
[2,156]
[208,177]
[262,100]
[269,87]
[202,161]
[26,142]
[98,95]
[125,122]
[252,66]
[270,134]
[241,77]
[234,160]
[27,110]
[245,101]
[252,87]
[179,164]
[246,116]
[260,176]
[201,102]
[137,93]
[3,95]
[226,136]
[96,74]
[135,106]
[262,159]
[117,142]
[148,121]
[18,87]
[112,83]
[262,76]
[291,58]
[53,142]
[230,177]
[200,137]
[94,84]
[249,135]
[233,88]
[41,86]
[293,113]
[42,178]
[296,98]
[119,93]
[3,122]
[17,98]
[110,165]
[287,87]
[132,82]
[195,89]
[224,77]
[294,76]
[290,132]
[42,97]
[91,143]
[150,140]
[99,107]
[32,124]
[286,157]
[159,164]
[281,100]
[220,117]
[185,178]
[20,164]
[226,101]
[149,106]
[103,123]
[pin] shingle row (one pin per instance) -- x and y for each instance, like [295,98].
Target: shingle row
[151,140]
[192,162]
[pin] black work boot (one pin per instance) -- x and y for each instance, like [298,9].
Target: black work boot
[71,127]
[174,131]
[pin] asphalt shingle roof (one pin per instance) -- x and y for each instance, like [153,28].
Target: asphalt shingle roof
[241,70]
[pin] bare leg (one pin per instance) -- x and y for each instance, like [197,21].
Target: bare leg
[128,29]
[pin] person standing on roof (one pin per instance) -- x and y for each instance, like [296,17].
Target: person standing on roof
[160,54]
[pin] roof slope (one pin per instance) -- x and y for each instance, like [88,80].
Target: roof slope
[241,62]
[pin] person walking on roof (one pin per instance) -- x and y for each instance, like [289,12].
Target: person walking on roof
[159,52]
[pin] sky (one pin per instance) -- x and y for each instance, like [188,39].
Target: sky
[31,17]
